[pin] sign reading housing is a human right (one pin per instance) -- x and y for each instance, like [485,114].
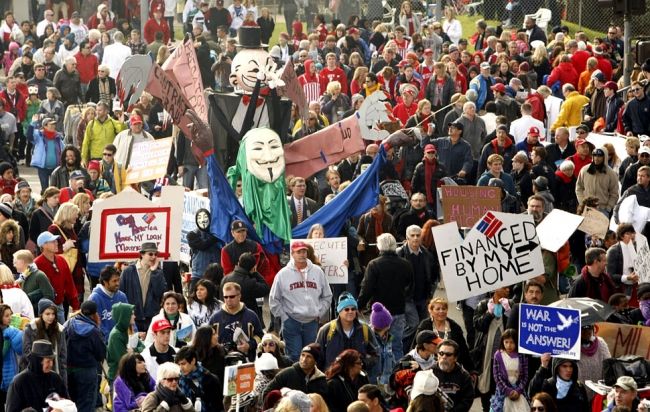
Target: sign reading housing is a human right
[500,250]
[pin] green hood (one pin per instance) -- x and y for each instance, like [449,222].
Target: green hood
[121,314]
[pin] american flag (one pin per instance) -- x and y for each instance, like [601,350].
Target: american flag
[489,225]
[148,218]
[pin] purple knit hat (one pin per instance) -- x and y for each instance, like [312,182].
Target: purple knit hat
[380,317]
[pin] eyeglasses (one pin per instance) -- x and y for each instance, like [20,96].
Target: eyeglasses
[537,409]
[447,354]
[271,344]
[176,379]
[349,310]
[151,254]
[636,89]
[108,154]
[230,297]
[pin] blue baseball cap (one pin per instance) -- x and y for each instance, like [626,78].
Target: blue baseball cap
[45,237]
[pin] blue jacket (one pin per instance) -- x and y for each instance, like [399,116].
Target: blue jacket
[509,184]
[205,249]
[104,305]
[86,348]
[13,339]
[480,84]
[130,285]
[40,148]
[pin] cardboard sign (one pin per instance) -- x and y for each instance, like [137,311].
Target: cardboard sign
[238,379]
[332,254]
[192,202]
[642,261]
[149,160]
[625,339]
[557,228]
[466,205]
[545,329]
[293,89]
[500,250]
[595,223]
[127,220]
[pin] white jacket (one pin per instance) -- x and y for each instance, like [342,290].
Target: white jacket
[184,322]
[114,56]
[18,301]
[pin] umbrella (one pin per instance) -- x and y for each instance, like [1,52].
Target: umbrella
[592,310]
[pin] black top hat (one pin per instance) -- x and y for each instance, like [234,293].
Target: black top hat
[42,348]
[250,37]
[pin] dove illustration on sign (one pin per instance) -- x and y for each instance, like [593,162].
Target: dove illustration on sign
[565,322]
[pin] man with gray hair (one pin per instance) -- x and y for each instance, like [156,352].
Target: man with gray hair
[424,281]
[474,130]
[388,280]
[67,81]
[115,54]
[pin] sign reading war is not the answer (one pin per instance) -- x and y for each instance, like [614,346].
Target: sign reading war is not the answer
[546,329]
[500,250]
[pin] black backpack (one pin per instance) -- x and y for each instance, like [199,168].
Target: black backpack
[630,365]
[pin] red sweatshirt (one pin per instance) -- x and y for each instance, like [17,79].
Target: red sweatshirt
[327,75]
[87,67]
[59,275]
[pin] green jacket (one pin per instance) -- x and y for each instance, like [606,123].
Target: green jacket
[118,339]
[97,136]
[37,286]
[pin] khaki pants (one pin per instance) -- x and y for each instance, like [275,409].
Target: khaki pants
[63,7]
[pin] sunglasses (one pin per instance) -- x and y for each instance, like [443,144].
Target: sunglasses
[152,254]
[581,132]
[270,344]
[349,310]
[176,379]
[636,89]
[230,297]
[447,354]
[108,154]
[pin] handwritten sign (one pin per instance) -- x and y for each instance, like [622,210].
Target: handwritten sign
[238,379]
[500,250]
[595,223]
[149,160]
[642,261]
[625,339]
[545,329]
[467,204]
[192,202]
[557,228]
[127,220]
[332,254]
[183,67]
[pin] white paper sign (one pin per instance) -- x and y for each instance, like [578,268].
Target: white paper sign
[191,203]
[556,228]
[642,261]
[500,250]
[629,211]
[595,223]
[332,254]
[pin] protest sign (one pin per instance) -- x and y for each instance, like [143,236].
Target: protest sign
[642,261]
[149,160]
[238,379]
[629,211]
[556,228]
[127,220]
[625,339]
[375,112]
[500,250]
[545,329]
[595,223]
[192,202]
[467,204]
[332,254]
[293,89]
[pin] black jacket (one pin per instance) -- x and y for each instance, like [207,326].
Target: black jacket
[418,181]
[253,286]
[387,269]
[458,385]
[85,342]
[210,391]
[554,153]
[31,387]
[576,399]
[612,106]
[425,275]
[402,220]
[456,334]
[92,95]
[295,378]
[342,391]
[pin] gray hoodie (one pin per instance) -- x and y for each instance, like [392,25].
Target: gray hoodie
[302,296]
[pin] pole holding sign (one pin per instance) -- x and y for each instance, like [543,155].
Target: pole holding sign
[545,329]
[500,250]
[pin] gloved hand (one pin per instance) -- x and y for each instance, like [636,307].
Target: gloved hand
[505,303]
[491,306]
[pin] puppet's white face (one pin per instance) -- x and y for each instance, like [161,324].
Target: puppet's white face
[246,66]
[264,154]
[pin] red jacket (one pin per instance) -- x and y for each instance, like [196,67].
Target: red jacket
[60,278]
[151,27]
[16,105]
[326,75]
[67,194]
[565,73]
[87,67]
[579,60]
[403,113]
[605,66]
[539,109]
[579,163]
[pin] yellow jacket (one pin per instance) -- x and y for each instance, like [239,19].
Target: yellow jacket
[97,136]
[571,111]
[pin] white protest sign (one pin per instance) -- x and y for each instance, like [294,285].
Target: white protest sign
[149,160]
[332,253]
[556,228]
[642,261]
[122,223]
[629,211]
[595,223]
[192,202]
[501,249]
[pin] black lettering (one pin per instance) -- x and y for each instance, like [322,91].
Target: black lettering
[476,281]
[494,273]
[523,265]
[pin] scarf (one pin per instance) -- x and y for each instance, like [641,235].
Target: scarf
[497,149]
[48,134]
[425,364]
[562,177]
[644,306]
[562,387]
[590,349]
[430,167]
[606,286]
[371,90]
[379,222]
[192,384]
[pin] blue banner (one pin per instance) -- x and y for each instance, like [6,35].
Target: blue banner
[544,329]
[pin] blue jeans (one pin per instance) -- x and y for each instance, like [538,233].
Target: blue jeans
[44,177]
[60,314]
[82,385]
[297,335]
[397,331]
[201,174]
[411,324]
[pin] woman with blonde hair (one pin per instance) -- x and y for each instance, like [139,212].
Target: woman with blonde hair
[63,225]
[452,26]
[358,80]
[539,61]
[408,19]
[334,103]
[13,295]
[83,202]
[318,403]
[612,158]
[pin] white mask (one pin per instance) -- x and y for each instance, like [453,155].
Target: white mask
[264,154]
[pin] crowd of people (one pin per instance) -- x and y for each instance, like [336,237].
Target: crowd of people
[500,107]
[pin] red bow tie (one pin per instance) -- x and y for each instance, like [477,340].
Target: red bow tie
[246,99]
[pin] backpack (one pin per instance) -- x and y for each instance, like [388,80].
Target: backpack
[332,331]
[635,366]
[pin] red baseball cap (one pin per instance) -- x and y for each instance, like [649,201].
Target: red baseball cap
[353,30]
[499,87]
[533,131]
[428,51]
[135,119]
[403,63]
[161,324]
[299,245]
[429,148]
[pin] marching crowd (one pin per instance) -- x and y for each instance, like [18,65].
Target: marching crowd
[498,107]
